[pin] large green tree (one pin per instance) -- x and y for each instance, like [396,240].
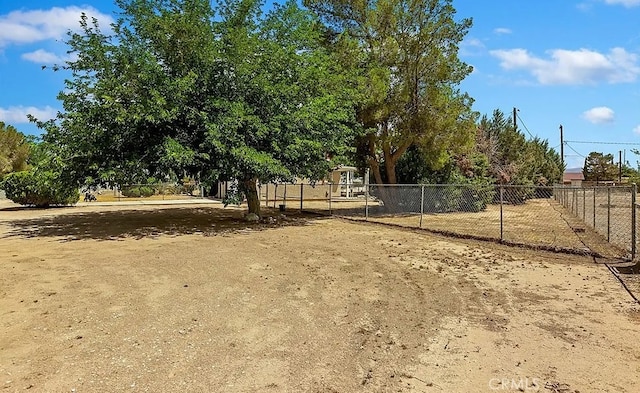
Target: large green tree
[406,54]
[512,158]
[226,93]
[600,167]
[14,150]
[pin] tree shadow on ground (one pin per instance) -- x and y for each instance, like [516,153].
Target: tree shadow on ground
[118,224]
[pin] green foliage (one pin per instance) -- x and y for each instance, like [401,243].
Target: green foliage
[600,167]
[471,168]
[632,174]
[48,181]
[131,191]
[512,158]
[150,187]
[14,150]
[146,191]
[183,89]
[233,196]
[405,57]
[468,186]
[39,188]
[188,186]
[138,191]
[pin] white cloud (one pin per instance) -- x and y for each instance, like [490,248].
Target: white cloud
[23,27]
[567,67]
[471,47]
[637,129]
[502,30]
[599,115]
[626,3]
[584,7]
[18,114]
[41,56]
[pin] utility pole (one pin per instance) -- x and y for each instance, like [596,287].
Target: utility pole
[561,146]
[515,122]
[620,168]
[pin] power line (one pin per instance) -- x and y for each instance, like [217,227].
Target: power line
[606,143]
[525,126]
[574,150]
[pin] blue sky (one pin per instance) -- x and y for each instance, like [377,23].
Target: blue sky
[574,63]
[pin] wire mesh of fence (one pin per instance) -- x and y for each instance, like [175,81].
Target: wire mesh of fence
[597,220]
[608,211]
[155,191]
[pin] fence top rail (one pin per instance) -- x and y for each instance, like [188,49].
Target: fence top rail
[603,187]
[358,184]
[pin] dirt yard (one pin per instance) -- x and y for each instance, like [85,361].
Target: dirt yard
[192,299]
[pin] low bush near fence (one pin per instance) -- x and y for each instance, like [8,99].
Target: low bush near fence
[433,199]
[39,188]
[161,189]
[138,191]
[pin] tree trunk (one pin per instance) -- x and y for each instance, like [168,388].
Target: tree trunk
[251,191]
[375,168]
[390,167]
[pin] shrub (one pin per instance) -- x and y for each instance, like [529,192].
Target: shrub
[138,191]
[437,198]
[39,188]
[131,192]
[146,191]
[475,198]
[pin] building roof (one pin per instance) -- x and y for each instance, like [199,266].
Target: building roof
[344,168]
[572,176]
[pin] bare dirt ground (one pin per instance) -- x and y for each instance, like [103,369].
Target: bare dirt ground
[537,223]
[191,298]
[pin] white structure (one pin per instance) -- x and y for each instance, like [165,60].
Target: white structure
[343,179]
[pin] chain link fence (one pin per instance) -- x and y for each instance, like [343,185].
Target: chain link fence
[609,211]
[597,220]
[137,192]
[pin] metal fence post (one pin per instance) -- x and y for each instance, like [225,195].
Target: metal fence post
[594,207]
[501,213]
[330,197]
[608,214]
[633,221]
[275,195]
[284,198]
[421,205]
[266,196]
[301,196]
[366,201]
[584,204]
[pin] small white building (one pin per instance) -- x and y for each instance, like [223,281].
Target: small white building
[346,182]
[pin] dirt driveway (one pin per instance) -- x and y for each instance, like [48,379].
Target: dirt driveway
[191,299]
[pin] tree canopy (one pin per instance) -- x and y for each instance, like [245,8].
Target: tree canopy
[226,93]
[184,89]
[600,167]
[512,158]
[405,54]
[14,150]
